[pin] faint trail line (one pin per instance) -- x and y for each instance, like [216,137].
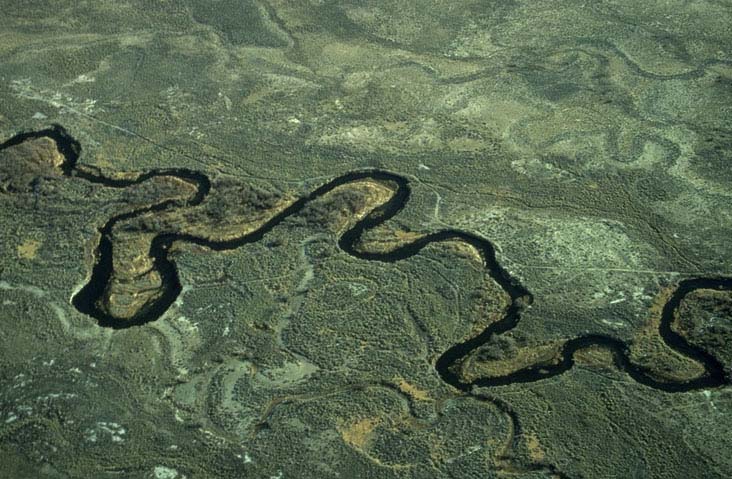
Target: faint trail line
[58,104]
[448,365]
[134,134]
[615,270]
[218,283]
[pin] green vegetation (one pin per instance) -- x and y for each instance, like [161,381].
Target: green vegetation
[588,141]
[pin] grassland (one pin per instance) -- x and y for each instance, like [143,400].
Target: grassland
[589,143]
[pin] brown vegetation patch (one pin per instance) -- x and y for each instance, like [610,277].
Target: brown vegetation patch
[536,452]
[651,352]
[236,225]
[594,356]
[388,239]
[412,391]
[346,205]
[358,434]
[23,165]
[134,283]
[28,249]
[704,318]
[499,358]
[461,248]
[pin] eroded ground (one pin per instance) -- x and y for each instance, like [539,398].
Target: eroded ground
[590,144]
